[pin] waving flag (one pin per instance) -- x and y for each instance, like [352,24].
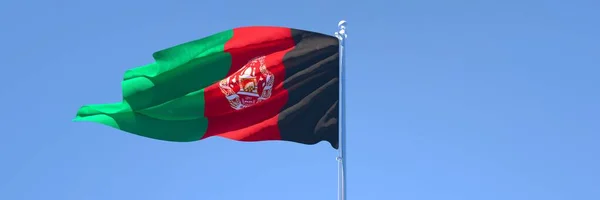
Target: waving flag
[253,83]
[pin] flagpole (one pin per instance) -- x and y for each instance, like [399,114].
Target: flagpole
[341,35]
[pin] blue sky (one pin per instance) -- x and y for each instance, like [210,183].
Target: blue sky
[453,100]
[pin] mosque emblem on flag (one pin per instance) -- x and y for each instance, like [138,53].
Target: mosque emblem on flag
[251,84]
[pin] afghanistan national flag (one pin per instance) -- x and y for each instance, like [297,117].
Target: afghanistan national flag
[253,83]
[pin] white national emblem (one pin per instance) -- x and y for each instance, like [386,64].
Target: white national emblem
[249,85]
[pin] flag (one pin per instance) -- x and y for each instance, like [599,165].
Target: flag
[255,83]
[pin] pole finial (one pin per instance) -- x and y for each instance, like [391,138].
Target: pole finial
[341,33]
[342,24]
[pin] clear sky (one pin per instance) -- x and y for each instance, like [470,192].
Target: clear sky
[447,100]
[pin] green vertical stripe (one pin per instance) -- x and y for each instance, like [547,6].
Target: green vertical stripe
[165,100]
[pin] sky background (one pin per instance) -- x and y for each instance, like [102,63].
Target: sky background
[447,100]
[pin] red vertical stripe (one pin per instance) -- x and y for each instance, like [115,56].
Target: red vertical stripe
[259,121]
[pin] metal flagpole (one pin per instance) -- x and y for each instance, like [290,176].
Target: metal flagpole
[341,35]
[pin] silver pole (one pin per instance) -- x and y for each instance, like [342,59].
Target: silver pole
[341,35]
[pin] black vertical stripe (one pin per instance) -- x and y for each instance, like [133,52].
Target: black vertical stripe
[312,81]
